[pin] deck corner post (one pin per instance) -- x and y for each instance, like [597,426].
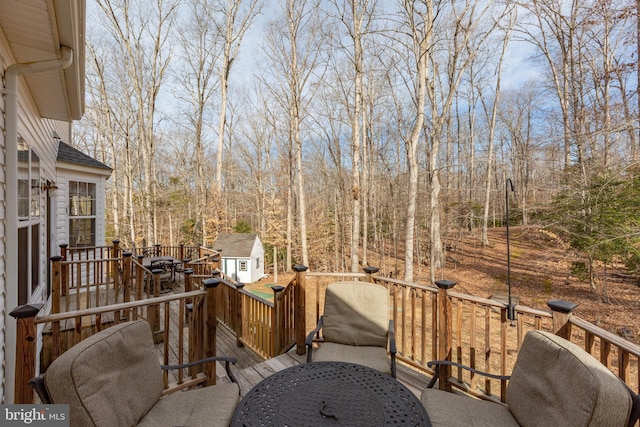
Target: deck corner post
[65,270]
[445,331]
[370,272]
[115,255]
[181,252]
[561,312]
[300,308]
[211,324]
[126,278]
[56,283]
[26,342]
[277,323]
[239,319]
[157,250]
[154,310]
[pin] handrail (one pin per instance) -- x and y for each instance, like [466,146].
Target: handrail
[57,317]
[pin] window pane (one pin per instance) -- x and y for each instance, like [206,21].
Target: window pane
[82,199]
[82,232]
[23,180]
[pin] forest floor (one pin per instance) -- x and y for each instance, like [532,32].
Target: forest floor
[541,267]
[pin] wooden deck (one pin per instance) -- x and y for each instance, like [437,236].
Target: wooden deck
[251,368]
[248,377]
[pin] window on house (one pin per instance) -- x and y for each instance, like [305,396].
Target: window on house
[257,262]
[243,265]
[82,214]
[29,220]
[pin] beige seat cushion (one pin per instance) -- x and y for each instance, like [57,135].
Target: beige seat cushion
[557,383]
[453,410]
[373,357]
[356,313]
[109,379]
[209,406]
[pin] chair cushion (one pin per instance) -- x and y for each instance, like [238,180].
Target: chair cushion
[373,357]
[109,379]
[451,409]
[356,313]
[209,406]
[555,382]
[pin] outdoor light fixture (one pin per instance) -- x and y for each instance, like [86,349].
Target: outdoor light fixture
[511,308]
[48,186]
[56,136]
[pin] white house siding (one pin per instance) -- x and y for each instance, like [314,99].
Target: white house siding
[38,133]
[3,241]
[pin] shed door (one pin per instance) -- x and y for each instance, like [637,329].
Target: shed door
[230,268]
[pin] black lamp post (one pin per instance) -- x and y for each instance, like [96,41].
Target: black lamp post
[511,309]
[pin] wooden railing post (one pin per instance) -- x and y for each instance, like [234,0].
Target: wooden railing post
[561,312]
[65,270]
[26,342]
[56,283]
[158,250]
[154,310]
[277,321]
[181,252]
[139,278]
[211,325]
[370,272]
[126,279]
[445,331]
[115,273]
[300,308]
[239,319]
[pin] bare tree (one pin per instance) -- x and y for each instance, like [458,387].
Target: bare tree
[232,19]
[293,47]
[141,30]
[195,77]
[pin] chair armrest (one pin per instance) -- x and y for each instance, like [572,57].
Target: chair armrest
[392,347]
[37,383]
[635,407]
[437,363]
[309,341]
[227,361]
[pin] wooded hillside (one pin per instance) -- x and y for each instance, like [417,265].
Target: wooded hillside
[340,128]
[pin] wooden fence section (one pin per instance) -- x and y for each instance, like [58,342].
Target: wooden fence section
[187,334]
[431,322]
[436,323]
[268,328]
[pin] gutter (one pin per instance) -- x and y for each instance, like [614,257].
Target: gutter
[9,288]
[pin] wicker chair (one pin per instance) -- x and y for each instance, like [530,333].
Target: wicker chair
[114,378]
[554,383]
[355,327]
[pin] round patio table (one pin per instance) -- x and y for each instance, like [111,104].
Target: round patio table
[330,394]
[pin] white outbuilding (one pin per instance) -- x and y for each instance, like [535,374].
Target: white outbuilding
[242,256]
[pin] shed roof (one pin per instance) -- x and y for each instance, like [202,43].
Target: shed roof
[236,245]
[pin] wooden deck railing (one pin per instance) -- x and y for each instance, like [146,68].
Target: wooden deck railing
[434,322]
[431,322]
[267,327]
[185,337]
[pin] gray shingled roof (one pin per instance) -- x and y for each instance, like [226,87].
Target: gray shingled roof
[237,245]
[67,153]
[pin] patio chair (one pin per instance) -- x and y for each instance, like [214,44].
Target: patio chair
[355,327]
[554,383]
[166,270]
[114,378]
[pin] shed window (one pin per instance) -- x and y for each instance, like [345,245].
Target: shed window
[243,265]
